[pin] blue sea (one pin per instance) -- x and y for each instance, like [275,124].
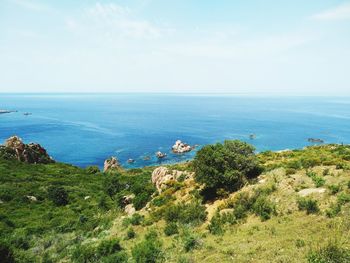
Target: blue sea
[85,129]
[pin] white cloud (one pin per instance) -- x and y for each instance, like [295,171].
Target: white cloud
[113,21]
[341,12]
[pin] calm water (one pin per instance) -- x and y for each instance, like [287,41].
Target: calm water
[86,129]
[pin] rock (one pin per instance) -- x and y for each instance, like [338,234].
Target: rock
[180,147]
[313,140]
[86,197]
[130,209]
[162,175]
[147,158]
[160,155]
[127,199]
[252,136]
[131,160]
[308,191]
[111,164]
[32,198]
[30,153]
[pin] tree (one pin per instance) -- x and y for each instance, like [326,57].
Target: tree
[226,166]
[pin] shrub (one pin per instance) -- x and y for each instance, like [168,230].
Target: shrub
[227,165]
[216,225]
[135,220]
[333,210]
[112,185]
[92,169]
[58,195]
[148,250]
[141,200]
[331,253]
[290,171]
[190,241]
[130,234]
[108,247]
[6,254]
[343,198]
[325,172]
[319,181]
[308,205]
[334,188]
[191,213]
[102,203]
[263,208]
[171,229]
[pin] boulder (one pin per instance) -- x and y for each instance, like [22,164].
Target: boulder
[30,153]
[127,199]
[160,155]
[180,147]
[32,198]
[111,164]
[162,175]
[129,209]
[309,191]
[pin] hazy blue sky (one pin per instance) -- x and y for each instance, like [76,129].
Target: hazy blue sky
[231,46]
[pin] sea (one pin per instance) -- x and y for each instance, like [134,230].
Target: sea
[85,129]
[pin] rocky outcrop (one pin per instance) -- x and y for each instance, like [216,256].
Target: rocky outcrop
[309,191]
[160,155]
[161,176]
[180,147]
[111,164]
[29,153]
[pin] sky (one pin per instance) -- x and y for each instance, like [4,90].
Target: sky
[195,46]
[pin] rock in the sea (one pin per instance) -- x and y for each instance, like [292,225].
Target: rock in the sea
[111,164]
[180,147]
[30,153]
[160,155]
[131,160]
[161,176]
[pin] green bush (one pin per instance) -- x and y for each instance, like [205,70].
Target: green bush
[148,250]
[130,234]
[334,188]
[92,169]
[58,195]
[171,229]
[190,241]
[141,200]
[263,208]
[6,254]
[112,185]
[343,198]
[108,247]
[331,253]
[308,205]
[319,181]
[191,213]
[290,171]
[333,210]
[226,166]
[216,225]
[135,220]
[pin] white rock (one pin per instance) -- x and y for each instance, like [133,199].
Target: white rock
[308,191]
[32,198]
[130,209]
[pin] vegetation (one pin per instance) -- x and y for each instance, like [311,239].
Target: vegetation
[225,166]
[60,213]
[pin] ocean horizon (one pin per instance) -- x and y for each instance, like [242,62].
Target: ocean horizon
[86,128]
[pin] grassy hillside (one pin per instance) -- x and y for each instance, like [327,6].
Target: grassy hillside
[297,210]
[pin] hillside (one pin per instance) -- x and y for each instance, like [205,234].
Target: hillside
[296,210]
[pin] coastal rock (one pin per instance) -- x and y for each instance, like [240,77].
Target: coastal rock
[111,164]
[30,153]
[315,140]
[129,209]
[160,155]
[309,191]
[32,198]
[180,147]
[161,176]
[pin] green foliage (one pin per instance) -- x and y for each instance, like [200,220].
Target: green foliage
[171,229]
[343,198]
[6,254]
[135,220]
[333,210]
[334,188]
[331,253]
[148,250]
[130,234]
[263,207]
[226,166]
[112,184]
[192,213]
[92,169]
[318,180]
[58,195]
[309,205]
[216,225]
[190,240]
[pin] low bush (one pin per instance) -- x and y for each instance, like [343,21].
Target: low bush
[148,250]
[263,208]
[334,188]
[171,229]
[58,195]
[343,198]
[130,234]
[333,210]
[308,205]
[135,220]
[92,169]
[216,225]
[192,213]
[331,253]
[190,241]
